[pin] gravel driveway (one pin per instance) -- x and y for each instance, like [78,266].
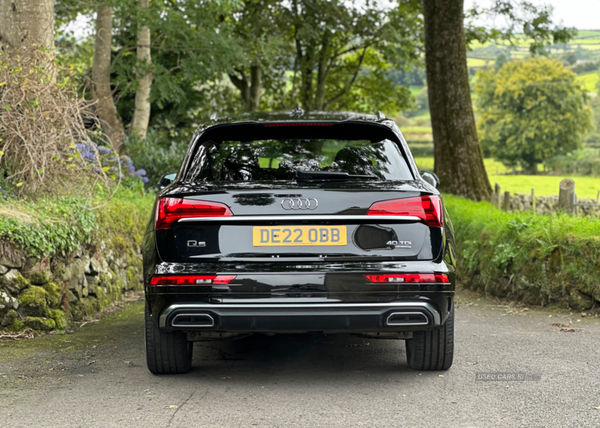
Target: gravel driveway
[97,377]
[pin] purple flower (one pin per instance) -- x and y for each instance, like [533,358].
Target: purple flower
[145,179]
[140,172]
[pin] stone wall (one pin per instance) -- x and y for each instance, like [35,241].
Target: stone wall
[548,204]
[53,293]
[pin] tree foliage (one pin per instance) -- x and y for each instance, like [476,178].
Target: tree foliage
[531,110]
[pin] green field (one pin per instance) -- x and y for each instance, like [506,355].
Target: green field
[416,129]
[491,166]
[589,81]
[477,62]
[544,185]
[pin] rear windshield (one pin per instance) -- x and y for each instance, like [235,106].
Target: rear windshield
[285,159]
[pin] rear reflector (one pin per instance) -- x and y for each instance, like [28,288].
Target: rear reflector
[171,210]
[410,278]
[427,208]
[191,279]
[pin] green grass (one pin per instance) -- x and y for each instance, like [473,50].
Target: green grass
[414,90]
[476,62]
[588,33]
[491,166]
[59,225]
[589,81]
[416,129]
[537,260]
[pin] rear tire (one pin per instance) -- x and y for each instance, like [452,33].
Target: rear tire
[167,352]
[433,349]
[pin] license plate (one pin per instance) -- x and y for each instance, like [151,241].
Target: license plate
[282,236]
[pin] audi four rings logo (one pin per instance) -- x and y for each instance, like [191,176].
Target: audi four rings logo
[299,204]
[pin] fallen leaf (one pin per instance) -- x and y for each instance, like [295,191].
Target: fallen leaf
[172,406]
[597,408]
[557,324]
[454,402]
[441,375]
[226,377]
[570,330]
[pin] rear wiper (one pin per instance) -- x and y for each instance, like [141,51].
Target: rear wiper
[317,176]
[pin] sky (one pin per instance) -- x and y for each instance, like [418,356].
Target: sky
[581,14]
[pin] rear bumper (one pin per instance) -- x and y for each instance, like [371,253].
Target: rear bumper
[406,315]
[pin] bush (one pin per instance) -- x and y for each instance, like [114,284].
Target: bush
[536,260]
[421,148]
[41,122]
[579,162]
[156,158]
[59,225]
[586,67]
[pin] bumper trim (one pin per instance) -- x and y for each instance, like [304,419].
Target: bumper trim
[286,316]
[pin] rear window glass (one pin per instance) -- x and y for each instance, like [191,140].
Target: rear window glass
[281,159]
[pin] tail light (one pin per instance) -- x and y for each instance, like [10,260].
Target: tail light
[410,278]
[171,210]
[427,208]
[191,279]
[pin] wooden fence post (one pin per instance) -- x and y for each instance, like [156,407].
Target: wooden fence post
[497,192]
[533,201]
[566,196]
[506,201]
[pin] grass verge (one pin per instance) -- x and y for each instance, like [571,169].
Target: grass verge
[537,260]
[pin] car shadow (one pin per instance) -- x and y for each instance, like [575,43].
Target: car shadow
[300,357]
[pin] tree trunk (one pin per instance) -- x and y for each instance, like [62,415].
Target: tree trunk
[27,23]
[458,159]
[101,91]
[322,72]
[141,114]
[255,88]
[305,59]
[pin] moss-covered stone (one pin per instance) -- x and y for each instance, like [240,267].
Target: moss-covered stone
[134,279]
[39,323]
[13,281]
[85,307]
[33,301]
[59,317]
[53,294]
[39,275]
[9,320]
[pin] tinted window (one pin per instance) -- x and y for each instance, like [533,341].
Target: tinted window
[280,159]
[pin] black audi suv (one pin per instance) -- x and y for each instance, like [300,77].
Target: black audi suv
[288,224]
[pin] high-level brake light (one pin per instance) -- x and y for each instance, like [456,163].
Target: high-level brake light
[280,125]
[427,208]
[409,278]
[191,279]
[171,210]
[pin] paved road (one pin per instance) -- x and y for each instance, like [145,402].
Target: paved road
[97,378]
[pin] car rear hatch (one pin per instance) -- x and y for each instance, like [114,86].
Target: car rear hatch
[301,193]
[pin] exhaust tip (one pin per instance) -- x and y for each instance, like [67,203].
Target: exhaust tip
[406,318]
[192,320]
